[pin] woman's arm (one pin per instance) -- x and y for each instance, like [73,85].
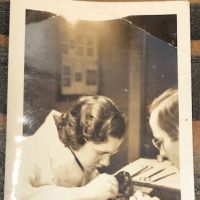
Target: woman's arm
[101,188]
[53,192]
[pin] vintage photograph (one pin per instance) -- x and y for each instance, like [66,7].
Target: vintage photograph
[101,112]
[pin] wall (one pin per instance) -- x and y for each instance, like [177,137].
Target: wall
[114,74]
[160,74]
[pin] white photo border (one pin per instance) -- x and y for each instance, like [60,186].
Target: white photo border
[98,11]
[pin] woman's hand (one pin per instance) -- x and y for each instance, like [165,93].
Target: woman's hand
[138,195]
[102,187]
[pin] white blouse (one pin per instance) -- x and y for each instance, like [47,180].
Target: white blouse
[45,161]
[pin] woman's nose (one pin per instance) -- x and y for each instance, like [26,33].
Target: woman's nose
[105,161]
[162,151]
[162,154]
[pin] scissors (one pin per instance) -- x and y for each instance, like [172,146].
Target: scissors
[148,178]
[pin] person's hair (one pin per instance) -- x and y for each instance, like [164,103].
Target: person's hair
[168,112]
[92,118]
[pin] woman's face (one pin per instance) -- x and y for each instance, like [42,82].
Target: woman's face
[94,155]
[168,148]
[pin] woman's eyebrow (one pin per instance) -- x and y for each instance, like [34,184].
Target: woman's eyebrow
[107,152]
[157,138]
[114,152]
[103,152]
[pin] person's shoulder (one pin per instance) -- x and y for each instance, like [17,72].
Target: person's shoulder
[33,152]
[54,112]
[28,144]
[50,118]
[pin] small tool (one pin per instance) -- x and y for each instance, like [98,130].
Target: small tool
[141,171]
[162,177]
[148,178]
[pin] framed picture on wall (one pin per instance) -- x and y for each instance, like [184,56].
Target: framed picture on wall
[74,50]
[123,69]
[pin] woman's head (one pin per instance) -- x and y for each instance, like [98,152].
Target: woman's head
[92,118]
[164,122]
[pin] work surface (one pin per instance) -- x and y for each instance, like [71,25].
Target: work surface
[159,179]
[160,175]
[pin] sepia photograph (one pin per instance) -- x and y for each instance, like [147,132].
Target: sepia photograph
[99,101]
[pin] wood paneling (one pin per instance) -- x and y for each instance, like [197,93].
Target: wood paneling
[3,40]
[196,137]
[195,47]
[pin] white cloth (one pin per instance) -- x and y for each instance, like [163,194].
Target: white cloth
[46,161]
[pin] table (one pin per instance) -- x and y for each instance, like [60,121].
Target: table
[165,182]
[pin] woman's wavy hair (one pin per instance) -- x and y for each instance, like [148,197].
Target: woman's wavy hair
[168,112]
[92,118]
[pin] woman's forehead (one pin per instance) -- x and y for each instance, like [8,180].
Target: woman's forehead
[110,146]
[153,121]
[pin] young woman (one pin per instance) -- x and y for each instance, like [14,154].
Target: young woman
[60,160]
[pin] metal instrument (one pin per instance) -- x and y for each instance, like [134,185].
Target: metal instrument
[125,179]
[149,178]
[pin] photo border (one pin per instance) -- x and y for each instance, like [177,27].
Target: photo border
[90,10]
